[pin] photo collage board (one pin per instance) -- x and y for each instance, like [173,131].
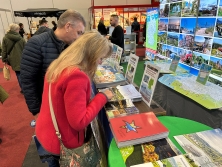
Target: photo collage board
[191,29]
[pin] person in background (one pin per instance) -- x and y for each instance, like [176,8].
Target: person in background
[135,28]
[21,30]
[43,27]
[12,47]
[117,36]
[54,25]
[41,50]
[70,76]
[101,27]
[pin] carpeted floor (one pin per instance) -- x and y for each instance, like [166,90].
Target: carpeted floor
[15,129]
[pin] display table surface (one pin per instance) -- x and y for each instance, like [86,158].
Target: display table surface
[165,66]
[208,95]
[176,126]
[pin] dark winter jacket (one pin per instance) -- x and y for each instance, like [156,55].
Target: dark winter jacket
[135,26]
[12,45]
[41,30]
[38,53]
[102,29]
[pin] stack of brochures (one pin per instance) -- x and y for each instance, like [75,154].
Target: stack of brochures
[130,92]
[120,108]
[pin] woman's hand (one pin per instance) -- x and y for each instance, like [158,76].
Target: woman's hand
[108,94]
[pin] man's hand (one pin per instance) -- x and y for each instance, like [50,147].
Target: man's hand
[107,37]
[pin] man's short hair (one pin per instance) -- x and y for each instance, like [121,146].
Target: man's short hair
[115,16]
[41,22]
[71,16]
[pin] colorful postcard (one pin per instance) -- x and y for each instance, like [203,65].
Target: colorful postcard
[218,28]
[202,44]
[216,63]
[185,56]
[198,59]
[189,8]
[208,8]
[162,37]
[164,1]
[163,24]
[161,49]
[217,47]
[220,9]
[164,10]
[172,39]
[188,25]
[205,26]
[204,73]
[171,51]
[186,41]
[174,25]
[175,9]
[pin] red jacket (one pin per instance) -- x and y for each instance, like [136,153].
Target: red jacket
[73,110]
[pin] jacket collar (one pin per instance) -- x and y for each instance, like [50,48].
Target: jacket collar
[60,45]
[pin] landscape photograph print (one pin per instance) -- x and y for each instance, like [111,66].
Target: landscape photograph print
[163,24]
[185,56]
[175,9]
[220,9]
[205,26]
[162,37]
[164,10]
[218,28]
[189,8]
[198,59]
[217,47]
[216,63]
[186,41]
[202,44]
[188,25]
[208,8]
[172,39]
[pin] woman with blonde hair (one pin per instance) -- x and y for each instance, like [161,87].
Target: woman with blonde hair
[70,77]
[12,47]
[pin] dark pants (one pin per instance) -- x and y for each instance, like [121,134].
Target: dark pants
[52,160]
[18,78]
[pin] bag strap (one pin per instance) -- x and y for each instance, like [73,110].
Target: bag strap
[53,114]
[12,47]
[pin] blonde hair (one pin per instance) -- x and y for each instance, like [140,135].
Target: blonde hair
[71,16]
[84,53]
[13,27]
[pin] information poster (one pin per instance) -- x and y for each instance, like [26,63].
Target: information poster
[131,68]
[192,30]
[152,29]
[149,81]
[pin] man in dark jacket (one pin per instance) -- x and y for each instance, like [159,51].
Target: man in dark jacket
[135,28]
[117,36]
[43,27]
[101,27]
[41,50]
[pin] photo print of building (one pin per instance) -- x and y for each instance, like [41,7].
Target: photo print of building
[174,25]
[208,8]
[175,9]
[164,10]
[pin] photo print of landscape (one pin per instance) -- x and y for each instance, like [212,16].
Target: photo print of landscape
[192,29]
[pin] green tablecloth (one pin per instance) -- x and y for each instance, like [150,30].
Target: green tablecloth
[176,126]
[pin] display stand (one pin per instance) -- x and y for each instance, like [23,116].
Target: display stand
[129,44]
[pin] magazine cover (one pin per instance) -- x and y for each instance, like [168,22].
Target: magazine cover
[205,146]
[148,152]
